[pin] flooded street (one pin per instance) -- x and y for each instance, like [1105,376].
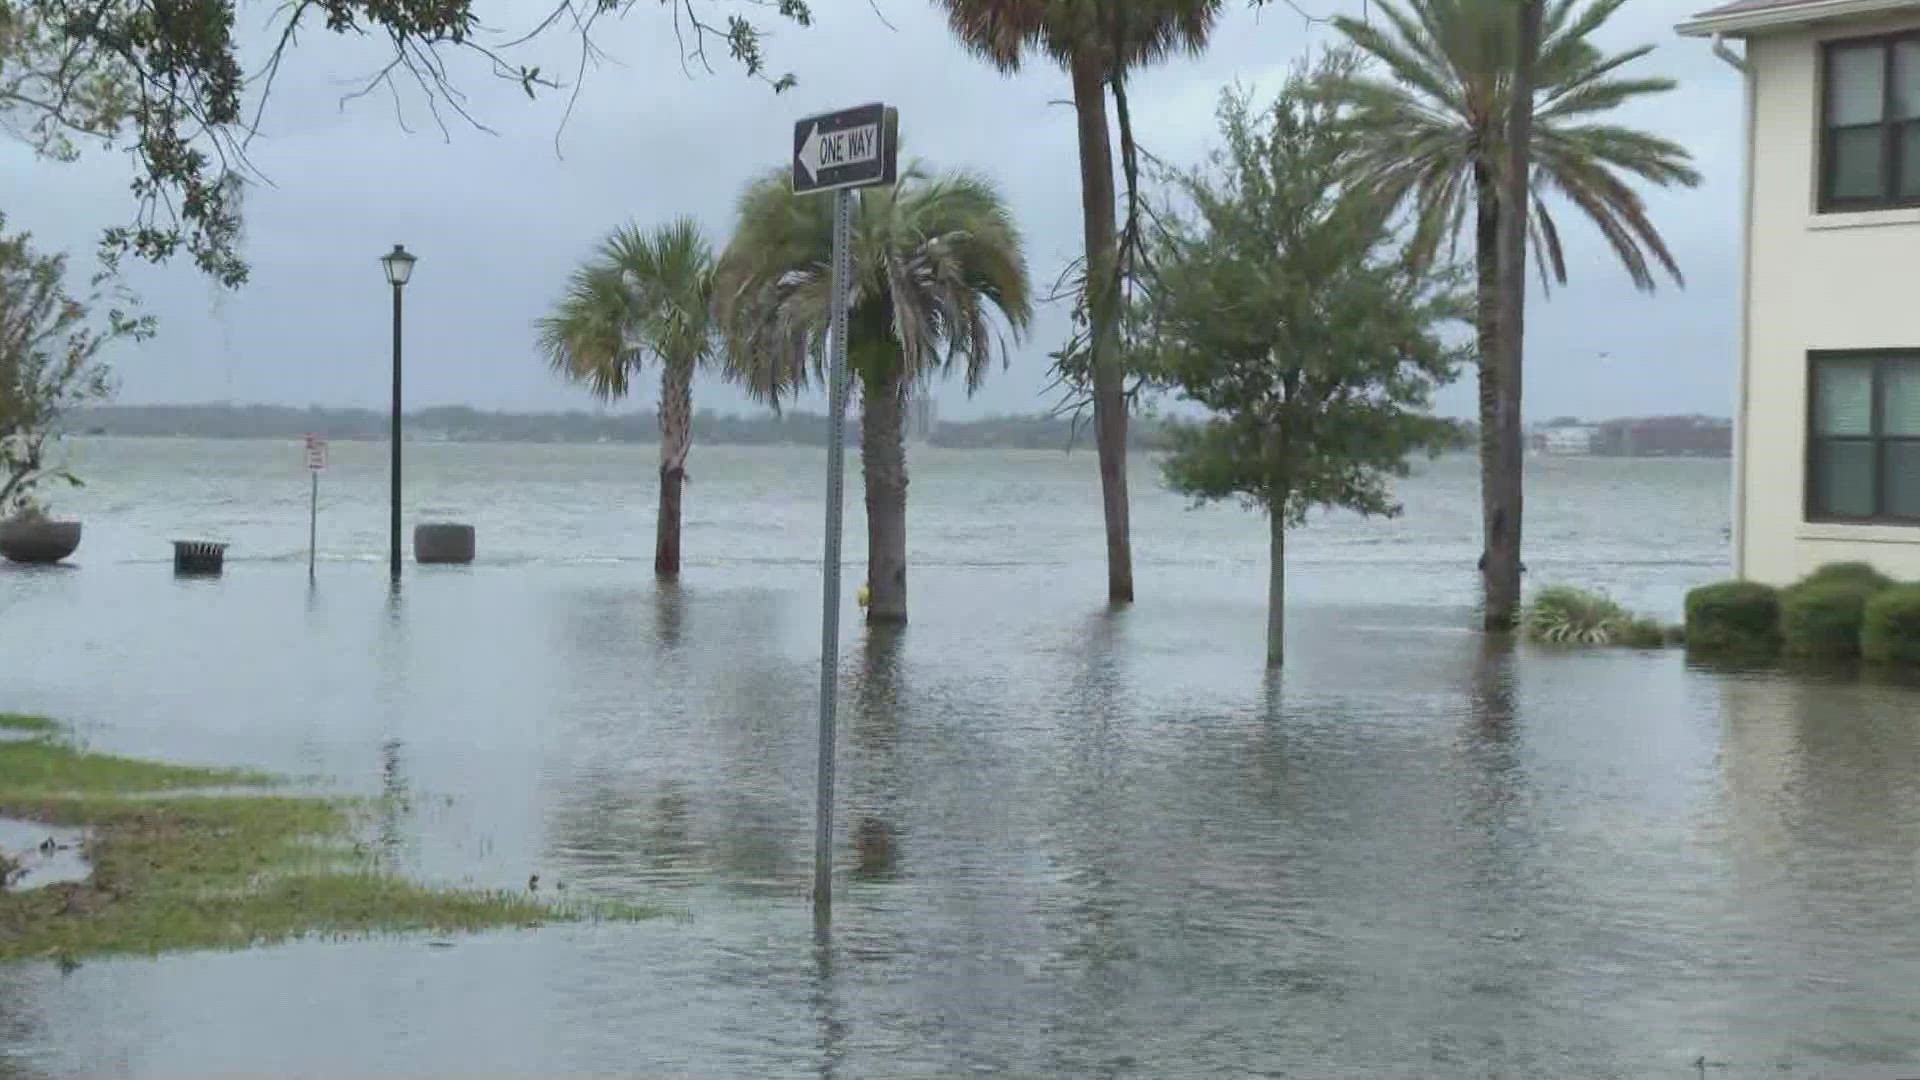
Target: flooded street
[1073,841]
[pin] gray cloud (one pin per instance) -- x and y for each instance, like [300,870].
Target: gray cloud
[499,219]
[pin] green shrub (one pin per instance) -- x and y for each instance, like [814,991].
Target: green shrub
[1643,633]
[1820,620]
[1854,573]
[1890,626]
[1565,615]
[1734,618]
[1674,635]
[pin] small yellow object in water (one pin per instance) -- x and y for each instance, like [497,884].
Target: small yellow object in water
[862,595]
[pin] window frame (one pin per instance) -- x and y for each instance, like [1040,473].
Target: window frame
[1889,197]
[1876,438]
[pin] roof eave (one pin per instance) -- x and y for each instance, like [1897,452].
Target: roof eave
[1763,20]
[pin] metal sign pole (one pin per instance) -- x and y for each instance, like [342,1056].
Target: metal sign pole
[316,464]
[830,598]
[837,151]
[313,522]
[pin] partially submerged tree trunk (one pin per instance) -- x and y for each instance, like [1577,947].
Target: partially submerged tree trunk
[676,439]
[1486,311]
[1276,588]
[1503,547]
[1103,314]
[883,465]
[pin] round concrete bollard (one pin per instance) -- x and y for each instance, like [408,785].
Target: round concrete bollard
[443,542]
[38,540]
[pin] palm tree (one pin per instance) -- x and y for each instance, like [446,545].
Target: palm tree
[642,292]
[1438,130]
[933,257]
[1098,42]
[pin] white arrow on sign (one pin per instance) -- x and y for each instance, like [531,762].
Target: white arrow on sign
[833,149]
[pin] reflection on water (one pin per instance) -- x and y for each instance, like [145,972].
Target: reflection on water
[394,805]
[1071,841]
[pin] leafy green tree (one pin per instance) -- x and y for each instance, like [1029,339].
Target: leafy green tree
[933,257]
[50,343]
[1436,129]
[642,293]
[1098,42]
[1282,302]
[166,77]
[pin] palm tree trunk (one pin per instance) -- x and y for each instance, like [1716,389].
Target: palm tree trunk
[1103,311]
[883,465]
[676,438]
[1503,547]
[1276,588]
[1486,265]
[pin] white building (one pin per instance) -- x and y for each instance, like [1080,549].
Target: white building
[1572,439]
[923,415]
[1827,421]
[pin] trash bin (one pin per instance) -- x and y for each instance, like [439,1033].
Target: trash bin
[198,557]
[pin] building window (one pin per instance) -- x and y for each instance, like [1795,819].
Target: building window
[1870,141]
[1863,438]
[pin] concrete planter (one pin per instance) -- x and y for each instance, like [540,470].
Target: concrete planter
[443,542]
[38,540]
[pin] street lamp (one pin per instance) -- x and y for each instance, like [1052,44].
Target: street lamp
[399,267]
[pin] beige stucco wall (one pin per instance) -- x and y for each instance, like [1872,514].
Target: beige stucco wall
[1828,281]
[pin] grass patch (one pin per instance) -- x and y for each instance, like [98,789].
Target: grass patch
[45,766]
[31,725]
[1643,633]
[198,871]
[1564,615]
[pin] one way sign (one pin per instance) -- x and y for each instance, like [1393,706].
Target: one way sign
[851,148]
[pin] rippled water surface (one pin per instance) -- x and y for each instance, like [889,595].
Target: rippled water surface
[1072,841]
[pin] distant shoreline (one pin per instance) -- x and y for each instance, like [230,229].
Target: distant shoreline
[1689,436]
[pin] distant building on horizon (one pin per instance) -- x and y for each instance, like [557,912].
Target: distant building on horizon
[923,415]
[1664,436]
[1564,439]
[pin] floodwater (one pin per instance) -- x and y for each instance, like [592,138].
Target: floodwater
[1071,841]
[42,855]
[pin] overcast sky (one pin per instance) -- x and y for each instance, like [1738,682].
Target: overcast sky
[498,219]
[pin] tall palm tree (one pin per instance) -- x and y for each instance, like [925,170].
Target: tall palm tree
[1098,42]
[933,258]
[1438,129]
[642,293]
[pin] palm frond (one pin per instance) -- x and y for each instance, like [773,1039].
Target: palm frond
[643,292]
[1441,115]
[934,259]
[1120,33]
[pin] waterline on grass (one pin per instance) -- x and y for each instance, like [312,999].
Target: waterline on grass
[176,866]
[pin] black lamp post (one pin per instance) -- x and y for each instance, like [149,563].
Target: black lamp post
[399,267]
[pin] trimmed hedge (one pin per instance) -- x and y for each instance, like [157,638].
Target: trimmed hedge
[1734,618]
[1855,573]
[1890,626]
[1821,620]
